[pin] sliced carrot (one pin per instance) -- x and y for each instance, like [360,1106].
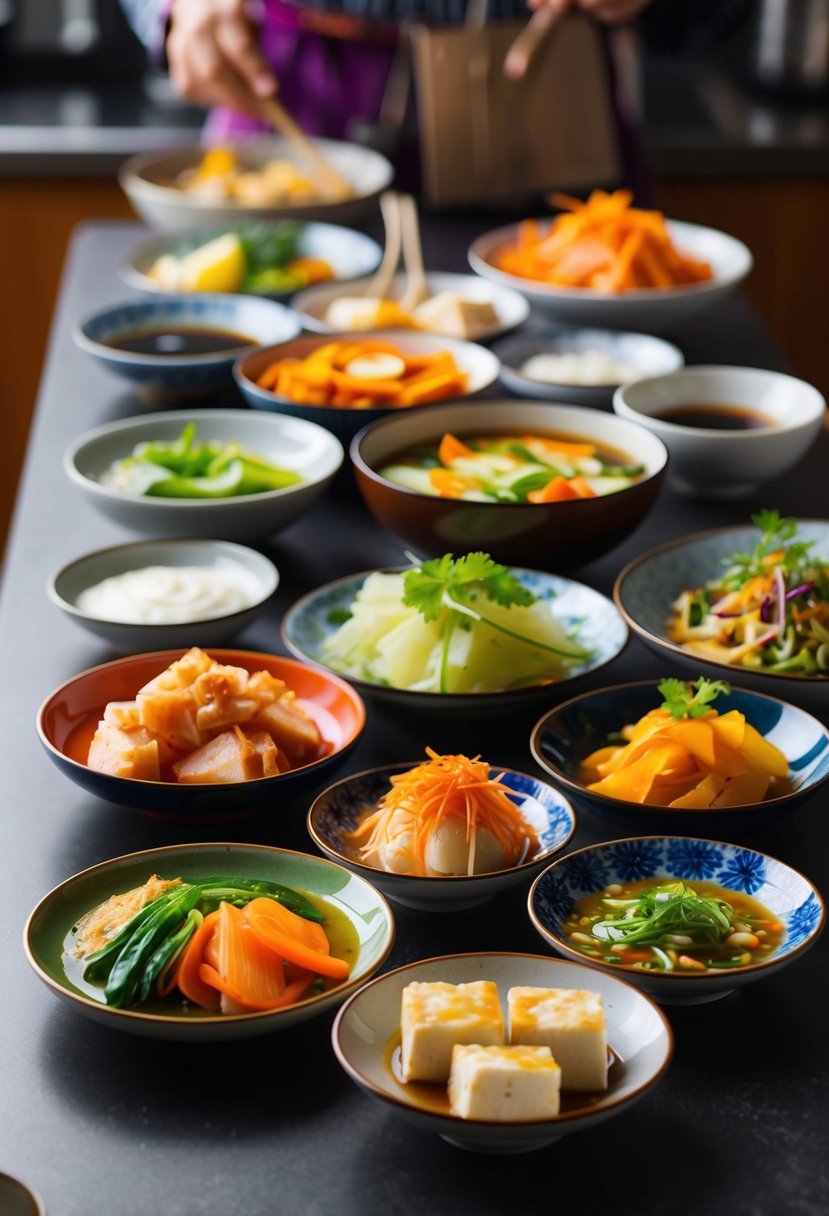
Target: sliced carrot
[187,976]
[451,448]
[557,490]
[582,488]
[450,484]
[277,928]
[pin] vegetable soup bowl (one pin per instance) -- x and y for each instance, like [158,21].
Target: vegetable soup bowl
[69,716]
[255,574]
[348,253]
[647,587]
[548,535]
[790,897]
[147,180]
[568,733]
[336,812]
[316,616]
[650,356]
[479,364]
[367,1028]
[174,374]
[652,310]
[289,443]
[725,464]
[48,942]
[511,307]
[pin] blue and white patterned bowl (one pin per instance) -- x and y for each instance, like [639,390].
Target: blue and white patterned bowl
[316,616]
[569,732]
[646,588]
[260,321]
[337,811]
[784,891]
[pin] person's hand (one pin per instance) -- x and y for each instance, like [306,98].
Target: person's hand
[214,56]
[612,12]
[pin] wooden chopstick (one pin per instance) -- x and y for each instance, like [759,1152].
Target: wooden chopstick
[416,289]
[330,179]
[520,54]
[380,286]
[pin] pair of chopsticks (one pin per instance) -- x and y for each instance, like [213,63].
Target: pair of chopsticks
[331,181]
[402,236]
[522,51]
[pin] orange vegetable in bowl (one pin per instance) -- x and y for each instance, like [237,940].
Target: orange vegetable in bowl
[364,374]
[603,244]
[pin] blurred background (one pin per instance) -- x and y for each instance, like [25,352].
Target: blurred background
[737,138]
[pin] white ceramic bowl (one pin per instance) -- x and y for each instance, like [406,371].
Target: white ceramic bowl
[638,1033]
[68,584]
[652,310]
[51,921]
[348,253]
[651,356]
[147,180]
[726,464]
[286,442]
[512,308]
[336,812]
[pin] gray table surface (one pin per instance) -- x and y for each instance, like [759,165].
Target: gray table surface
[104,1124]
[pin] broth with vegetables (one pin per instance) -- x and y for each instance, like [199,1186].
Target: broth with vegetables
[513,469]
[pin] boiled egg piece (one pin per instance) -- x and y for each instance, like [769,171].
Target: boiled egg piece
[376,365]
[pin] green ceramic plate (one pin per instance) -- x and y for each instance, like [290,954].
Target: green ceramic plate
[52,920]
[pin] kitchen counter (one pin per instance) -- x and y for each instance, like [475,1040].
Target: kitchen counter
[105,1124]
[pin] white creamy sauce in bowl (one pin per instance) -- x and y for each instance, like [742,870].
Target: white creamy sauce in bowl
[170,595]
[587,367]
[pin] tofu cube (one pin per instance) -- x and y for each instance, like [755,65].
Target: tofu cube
[504,1083]
[571,1023]
[436,1016]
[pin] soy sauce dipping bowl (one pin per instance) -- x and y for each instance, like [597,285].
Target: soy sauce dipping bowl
[781,889]
[724,464]
[175,376]
[567,734]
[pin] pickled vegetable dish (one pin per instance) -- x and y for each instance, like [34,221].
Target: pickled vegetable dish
[667,925]
[219,945]
[686,755]
[767,610]
[183,468]
[512,469]
[450,626]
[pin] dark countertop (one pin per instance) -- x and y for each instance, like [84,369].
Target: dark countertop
[693,119]
[104,1124]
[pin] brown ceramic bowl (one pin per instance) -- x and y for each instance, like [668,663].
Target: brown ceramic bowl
[547,536]
[480,365]
[67,720]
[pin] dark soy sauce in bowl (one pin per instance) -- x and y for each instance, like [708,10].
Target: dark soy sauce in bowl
[179,340]
[716,417]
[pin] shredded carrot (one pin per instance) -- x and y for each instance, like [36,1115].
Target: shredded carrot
[440,789]
[604,244]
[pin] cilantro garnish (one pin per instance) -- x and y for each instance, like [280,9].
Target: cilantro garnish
[776,531]
[682,702]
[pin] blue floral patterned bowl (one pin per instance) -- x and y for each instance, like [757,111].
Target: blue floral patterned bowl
[570,731]
[784,891]
[338,810]
[171,377]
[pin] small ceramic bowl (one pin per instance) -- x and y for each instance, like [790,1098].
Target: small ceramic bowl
[548,536]
[651,310]
[174,377]
[647,587]
[335,813]
[479,364]
[255,574]
[367,1030]
[350,254]
[67,720]
[17,1199]
[650,356]
[724,464]
[148,182]
[46,937]
[290,443]
[511,307]
[314,617]
[570,731]
[784,891]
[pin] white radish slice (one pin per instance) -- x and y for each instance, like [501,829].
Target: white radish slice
[378,366]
